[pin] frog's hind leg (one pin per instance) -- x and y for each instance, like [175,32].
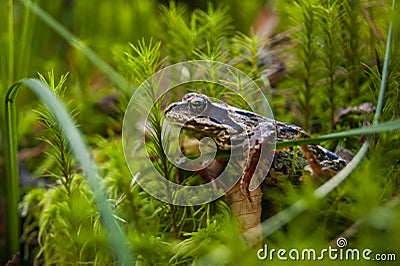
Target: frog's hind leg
[322,167]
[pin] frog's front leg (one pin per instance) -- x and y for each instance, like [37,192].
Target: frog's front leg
[262,135]
[252,161]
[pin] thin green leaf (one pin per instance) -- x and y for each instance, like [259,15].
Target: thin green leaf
[376,128]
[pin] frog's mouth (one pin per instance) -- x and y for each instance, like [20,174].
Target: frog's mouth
[206,128]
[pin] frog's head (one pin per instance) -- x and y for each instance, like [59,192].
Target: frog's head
[227,125]
[197,113]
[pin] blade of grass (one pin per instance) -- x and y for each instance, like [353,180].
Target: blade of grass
[117,240]
[375,128]
[379,106]
[12,190]
[11,55]
[26,41]
[74,41]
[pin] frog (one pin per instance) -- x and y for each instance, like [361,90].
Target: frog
[229,127]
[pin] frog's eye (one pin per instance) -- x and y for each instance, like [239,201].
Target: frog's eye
[197,105]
